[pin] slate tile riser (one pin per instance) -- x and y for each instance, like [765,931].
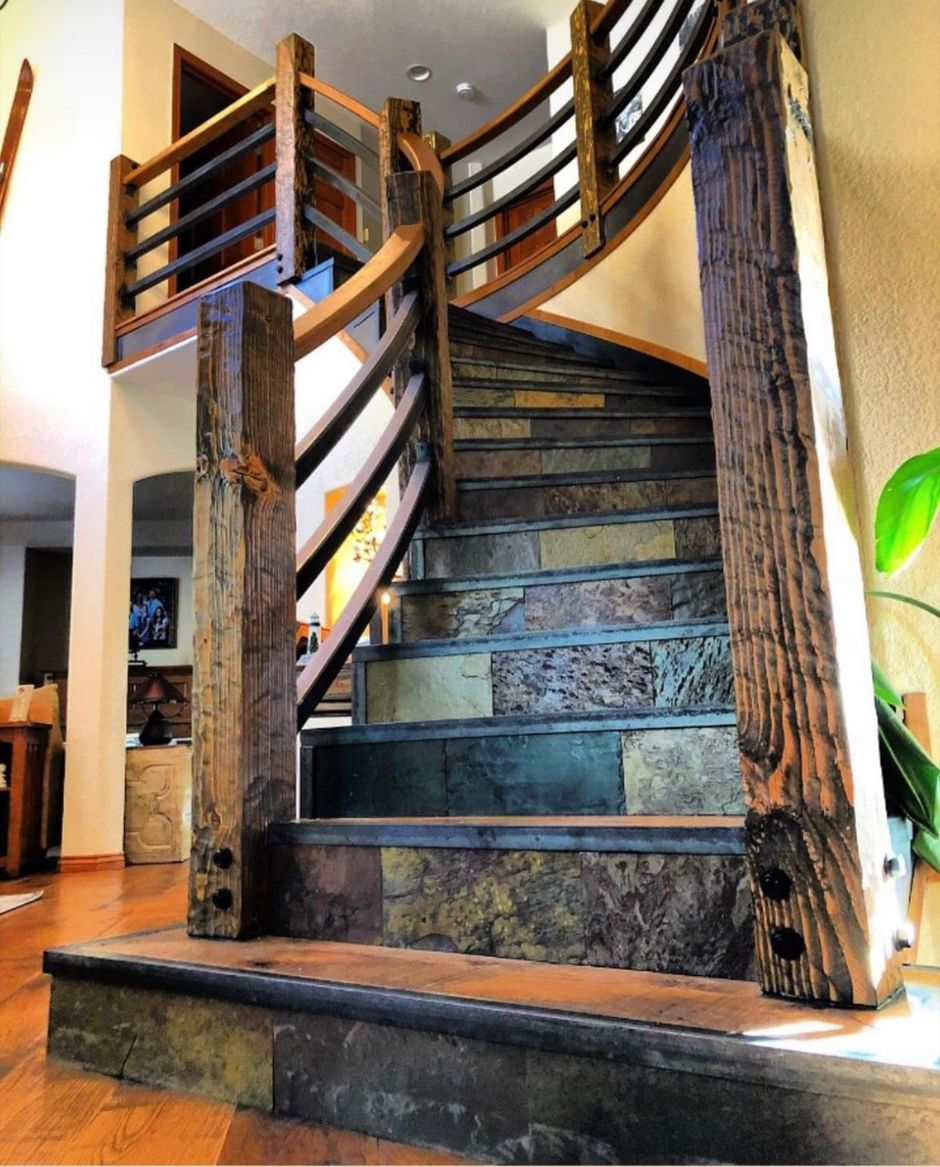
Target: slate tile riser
[532,502]
[661,674]
[547,372]
[661,913]
[572,396]
[583,546]
[470,426]
[516,462]
[577,604]
[678,770]
[495,1098]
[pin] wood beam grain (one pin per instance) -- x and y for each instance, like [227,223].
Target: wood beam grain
[294,150]
[243,593]
[817,829]
[592,95]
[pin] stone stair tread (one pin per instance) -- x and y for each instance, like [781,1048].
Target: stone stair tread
[549,443]
[596,518]
[541,412]
[599,720]
[553,638]
[639,834]
[611,386]
[584,477]
[581,368]
[550,575]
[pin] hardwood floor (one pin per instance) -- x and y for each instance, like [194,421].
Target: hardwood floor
[52,1113]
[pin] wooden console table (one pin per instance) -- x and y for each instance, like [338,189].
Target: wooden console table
[25,745]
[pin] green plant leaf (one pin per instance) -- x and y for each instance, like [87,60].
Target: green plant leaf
[927,845]
[911,778]
[906,509]
[883,687]
[922,604]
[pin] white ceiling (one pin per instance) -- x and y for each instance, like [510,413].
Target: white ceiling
[364,47]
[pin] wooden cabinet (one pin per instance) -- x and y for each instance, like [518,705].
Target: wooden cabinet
[23,749]
[157,806]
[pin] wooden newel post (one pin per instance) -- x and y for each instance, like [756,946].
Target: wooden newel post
[817,835]
[118,272]
[592,95]
[244,715]
[414,198]
[294,151]
[398,116]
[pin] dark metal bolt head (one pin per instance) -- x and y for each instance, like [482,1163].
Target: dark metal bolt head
[787,944]
[222,899]
[223,858]
[775,884]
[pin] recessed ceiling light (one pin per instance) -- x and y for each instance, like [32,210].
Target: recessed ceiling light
[466,90]
[418,72]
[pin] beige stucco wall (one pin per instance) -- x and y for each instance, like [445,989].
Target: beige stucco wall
[875,83]
[875,75]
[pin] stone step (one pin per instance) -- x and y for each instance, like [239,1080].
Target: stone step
[520,367]
[584,597]
[570,395]
[525,545]
[643,762]
[502,1060]
[481,422]
[511,457]
[662,666]
[665,894]
[473,347]
[539,495]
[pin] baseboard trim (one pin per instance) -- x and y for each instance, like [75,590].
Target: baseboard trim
[103,862]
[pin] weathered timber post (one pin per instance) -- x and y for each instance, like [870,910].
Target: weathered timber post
[122,201]
[398,116]
[592,94]
[244,715]
[294,151]
[817,835]
[415,198]
[439,142]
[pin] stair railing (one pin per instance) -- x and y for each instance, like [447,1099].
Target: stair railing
[271,140]
[247,702]
[606,127]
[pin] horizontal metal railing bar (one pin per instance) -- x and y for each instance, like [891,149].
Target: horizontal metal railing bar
[657,51]
[603,23]
[341,183]
[327,539]
[569,154]
[202,212]
[322,437]
[191,258]
[629,39]
[342,137]
[568,199]
[669,92]
[360,291]
[317,677]
[258,138]
[512,155]
[337,233]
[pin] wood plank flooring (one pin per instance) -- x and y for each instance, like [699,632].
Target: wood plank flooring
[52,1113]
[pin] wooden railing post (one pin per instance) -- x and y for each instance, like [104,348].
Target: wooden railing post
[438,143]
[398,116]
[817,834]
[293,180]
[244,716]
[415,198]
[122,200]
[592,94]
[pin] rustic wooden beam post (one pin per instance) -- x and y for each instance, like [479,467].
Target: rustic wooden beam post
[592,95]
[398,116]
[817,834]
[244,715]
[414,198]
[438,142]
[122,200]
[294,148]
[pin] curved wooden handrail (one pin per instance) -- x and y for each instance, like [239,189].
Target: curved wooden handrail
[317,677]
[254,100]
[385,268]
[422,157]
[529,101]
[339,98]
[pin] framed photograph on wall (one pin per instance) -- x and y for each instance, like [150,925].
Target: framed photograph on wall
[154,613]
